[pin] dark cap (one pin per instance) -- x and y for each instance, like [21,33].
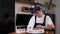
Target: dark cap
[36,8]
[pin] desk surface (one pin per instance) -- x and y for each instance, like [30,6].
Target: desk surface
[49,32]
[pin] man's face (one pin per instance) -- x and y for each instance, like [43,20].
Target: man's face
[38,13]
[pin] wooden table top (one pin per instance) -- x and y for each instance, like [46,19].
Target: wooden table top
[47,32]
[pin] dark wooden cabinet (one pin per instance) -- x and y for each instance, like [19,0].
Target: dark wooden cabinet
[26,2]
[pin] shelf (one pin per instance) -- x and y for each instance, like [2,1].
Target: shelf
[26,2]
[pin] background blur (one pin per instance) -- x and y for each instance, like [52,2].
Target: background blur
[9,9]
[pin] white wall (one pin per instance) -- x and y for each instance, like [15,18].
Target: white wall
[18,8]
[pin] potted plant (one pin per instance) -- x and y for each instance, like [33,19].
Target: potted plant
[48,5]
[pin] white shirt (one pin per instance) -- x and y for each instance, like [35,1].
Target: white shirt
[39,20]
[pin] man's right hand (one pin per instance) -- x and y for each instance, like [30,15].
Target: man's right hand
[39,27]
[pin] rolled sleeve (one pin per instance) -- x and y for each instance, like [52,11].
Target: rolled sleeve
[49,21]
[31,23]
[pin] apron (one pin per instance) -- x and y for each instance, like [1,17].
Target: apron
[43,24]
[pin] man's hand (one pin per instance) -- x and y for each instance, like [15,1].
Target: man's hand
[40,27]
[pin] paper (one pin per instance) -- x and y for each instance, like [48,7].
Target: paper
[35,31]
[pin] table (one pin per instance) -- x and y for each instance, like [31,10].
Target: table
[48,32]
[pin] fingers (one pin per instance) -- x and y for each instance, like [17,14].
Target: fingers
[40,27]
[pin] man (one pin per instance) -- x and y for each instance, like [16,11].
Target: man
[39,20]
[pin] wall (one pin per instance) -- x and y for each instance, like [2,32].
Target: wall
[57,12]
[18,8]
